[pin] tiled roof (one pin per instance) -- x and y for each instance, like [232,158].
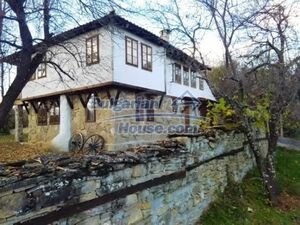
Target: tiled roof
[120,22]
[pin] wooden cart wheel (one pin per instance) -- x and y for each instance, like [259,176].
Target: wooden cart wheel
[93,144]
[76,142]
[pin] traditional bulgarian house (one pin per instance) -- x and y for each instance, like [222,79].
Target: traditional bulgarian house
[113,78]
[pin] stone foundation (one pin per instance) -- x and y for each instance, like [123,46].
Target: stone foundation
[171,189]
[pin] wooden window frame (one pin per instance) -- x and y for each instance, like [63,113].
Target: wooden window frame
[53,118]
[137,52]
[146,114]
[175,74]
[193,75]
[185,71]
[147,47]
[94,111]
[90,39]
[38,69]
[201,84]
[38,122]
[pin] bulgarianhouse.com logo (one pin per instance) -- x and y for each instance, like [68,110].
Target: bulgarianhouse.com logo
[144,114]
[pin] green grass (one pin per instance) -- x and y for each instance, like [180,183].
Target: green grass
[235,205]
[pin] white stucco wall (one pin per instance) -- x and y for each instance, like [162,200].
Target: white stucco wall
[178,90]
[112,67]
[82,74]
[137,76]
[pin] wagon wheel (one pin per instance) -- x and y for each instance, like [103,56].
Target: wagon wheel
[93,143]
[76,142]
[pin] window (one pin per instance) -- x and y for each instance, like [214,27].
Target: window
[91,109]
[131,51]
[42,115]
[186,79]
[54,113]
[193,79]
[92,50]
[201,84]
[41,71]
[144,109]
[177,73]
[146,57]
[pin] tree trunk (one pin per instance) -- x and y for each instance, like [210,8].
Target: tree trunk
[24,73]
[27,65]
[265,166]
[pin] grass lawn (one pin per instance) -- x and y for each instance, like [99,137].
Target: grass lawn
[12,151]
[247,203]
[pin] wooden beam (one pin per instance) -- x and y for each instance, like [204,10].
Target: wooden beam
[34,106]
[26,107]
[70,101]
[81,100]
[161,100]
[117,97]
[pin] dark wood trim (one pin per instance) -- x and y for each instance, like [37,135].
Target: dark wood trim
[32,103]
[161,100]
[69,100]
[26,106]
[146,46]
[137,51]
[183,71]
[98,50]
[84,99]
[117,97]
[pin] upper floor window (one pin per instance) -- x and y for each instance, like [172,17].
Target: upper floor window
[201,84]
[186,79]
[193,79]
[92,50]
[41,71]
[131,51]
[146,57]
[177,73]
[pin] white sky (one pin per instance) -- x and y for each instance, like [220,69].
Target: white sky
[210,45]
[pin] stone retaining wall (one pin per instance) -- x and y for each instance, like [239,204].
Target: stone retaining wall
[173,189]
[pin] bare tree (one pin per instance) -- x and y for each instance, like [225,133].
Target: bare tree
[260,88]
[32,40]
[268,75]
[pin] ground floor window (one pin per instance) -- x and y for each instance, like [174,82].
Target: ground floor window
[90,112]
[54,113]
[144,108]
[42,115]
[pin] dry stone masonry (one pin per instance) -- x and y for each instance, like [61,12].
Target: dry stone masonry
[164,183]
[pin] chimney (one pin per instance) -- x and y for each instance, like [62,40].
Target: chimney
[165,34]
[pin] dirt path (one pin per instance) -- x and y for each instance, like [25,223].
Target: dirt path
[289,143]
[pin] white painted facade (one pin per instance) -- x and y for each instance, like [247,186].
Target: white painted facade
[177,90]
[111,68]
[75,65]
[136,76]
